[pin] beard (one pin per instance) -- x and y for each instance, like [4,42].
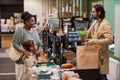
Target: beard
[95,16]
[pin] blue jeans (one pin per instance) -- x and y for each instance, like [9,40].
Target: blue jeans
[103,77]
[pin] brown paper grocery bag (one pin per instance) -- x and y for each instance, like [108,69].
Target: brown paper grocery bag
[87,57]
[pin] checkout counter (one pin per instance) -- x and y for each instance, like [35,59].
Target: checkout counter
[63,74]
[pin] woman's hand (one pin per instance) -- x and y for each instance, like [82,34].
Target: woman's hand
[26,54]
[40,50]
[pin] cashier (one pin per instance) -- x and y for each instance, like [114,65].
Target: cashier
[100,33]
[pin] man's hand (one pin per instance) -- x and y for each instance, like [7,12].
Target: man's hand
[89,42]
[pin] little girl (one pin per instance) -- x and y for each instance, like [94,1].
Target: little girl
[31,61]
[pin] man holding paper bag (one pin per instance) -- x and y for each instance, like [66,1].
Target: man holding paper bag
[100,33]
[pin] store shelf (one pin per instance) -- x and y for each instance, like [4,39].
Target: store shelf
[6,40]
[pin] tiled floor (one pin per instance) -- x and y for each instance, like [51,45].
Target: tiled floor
[7,67]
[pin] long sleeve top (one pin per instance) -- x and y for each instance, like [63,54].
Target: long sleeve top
[18,37]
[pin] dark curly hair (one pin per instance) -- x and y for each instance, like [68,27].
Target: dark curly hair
[99,8]
[26,16]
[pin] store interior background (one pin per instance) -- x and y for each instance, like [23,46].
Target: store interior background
[42,8]
[37,7]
